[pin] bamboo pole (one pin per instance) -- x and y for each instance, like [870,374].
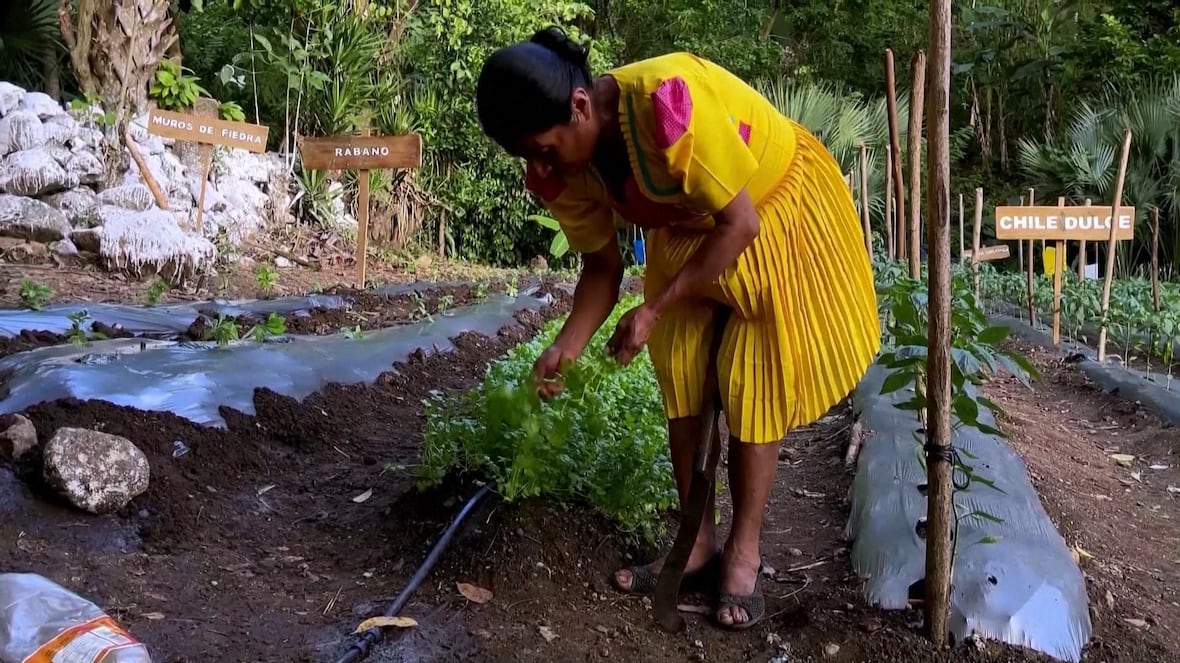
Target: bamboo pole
[1083,259]
[890,237]
[939,459]
[1058,267]
[962,240]
[977,231]
[1155,259]
[1110,243]
[895,156]
[914,157]
[864,199]
[1031,269]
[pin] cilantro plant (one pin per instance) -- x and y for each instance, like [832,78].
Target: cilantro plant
[602,442]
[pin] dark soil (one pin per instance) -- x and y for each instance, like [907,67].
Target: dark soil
[260,544]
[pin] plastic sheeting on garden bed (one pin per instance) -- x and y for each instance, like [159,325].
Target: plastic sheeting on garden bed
[1152,390]
[155,321]
[1024,589]
[193,380]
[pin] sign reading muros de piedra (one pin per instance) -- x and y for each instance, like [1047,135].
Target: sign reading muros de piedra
[1061,223]
[209,130]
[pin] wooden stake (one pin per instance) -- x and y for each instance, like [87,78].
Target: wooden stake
[890,237]
[895,154]
[914,155]
[976,232]
[208,163]
[1083,259]
[962,239]
[362,226]
[146,173]
[864,199]
[1058,267]
[1110,243]
[939,547]
[1031,268]
[1155,258]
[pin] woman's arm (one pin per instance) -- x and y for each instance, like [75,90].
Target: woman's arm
[595,297]
[735,228]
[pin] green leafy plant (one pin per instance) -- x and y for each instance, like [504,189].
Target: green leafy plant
[266,277]
[601,442]
[156,291]
[175,89]
[354,334]
[223,330]
[232,111]
[274,325]
[77,334]
[976,355]
[34,295]
[560,245]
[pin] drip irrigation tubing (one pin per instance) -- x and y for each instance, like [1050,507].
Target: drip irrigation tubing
[364,645]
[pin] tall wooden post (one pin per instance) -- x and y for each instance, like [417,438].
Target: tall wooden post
[977,231]
[1058,268]
[895,153]
[890,234]
[864,199]
[1083,260]
[1155,259]
[939,465]
[1110,243]
[914,155]
[1031,267]
[962,240]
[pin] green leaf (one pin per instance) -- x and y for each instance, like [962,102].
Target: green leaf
[895,382]
[991,538]
[545,221]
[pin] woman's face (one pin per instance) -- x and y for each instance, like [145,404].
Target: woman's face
[563,148]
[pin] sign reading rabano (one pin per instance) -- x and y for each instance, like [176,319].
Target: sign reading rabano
[362,152]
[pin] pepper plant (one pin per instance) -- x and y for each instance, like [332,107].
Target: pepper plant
[976,354]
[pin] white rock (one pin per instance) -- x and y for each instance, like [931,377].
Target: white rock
[249,166]
[146,142]
[60,153]
[18,439]
[86,167]
[86,138]
[96,472]
[77,204]
[151,242]
[135,197]
[41,104]
[10,96]
[283,263]
[33,173]
[20,130]
[65,121]
[29,219]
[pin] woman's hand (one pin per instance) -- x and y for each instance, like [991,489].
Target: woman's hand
[547,369]
[632,332]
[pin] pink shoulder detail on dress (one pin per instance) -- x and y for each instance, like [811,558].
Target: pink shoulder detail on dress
[744,132]
[672,105]
[545,188]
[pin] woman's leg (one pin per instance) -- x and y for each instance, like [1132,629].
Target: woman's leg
[752,469]
[683,435]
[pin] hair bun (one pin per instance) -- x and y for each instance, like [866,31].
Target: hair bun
[555,39]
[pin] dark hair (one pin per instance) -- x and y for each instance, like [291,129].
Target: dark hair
[525,88]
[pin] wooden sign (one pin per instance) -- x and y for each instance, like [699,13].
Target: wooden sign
[362,154]
[1062,223]
[210,131]
[986,253]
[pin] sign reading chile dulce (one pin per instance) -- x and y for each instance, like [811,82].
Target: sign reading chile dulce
[1064,223]
[207,130]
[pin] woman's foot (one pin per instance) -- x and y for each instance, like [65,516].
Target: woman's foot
[704,560]
[741,603]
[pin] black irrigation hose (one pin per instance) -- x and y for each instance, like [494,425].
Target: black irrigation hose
[364,645]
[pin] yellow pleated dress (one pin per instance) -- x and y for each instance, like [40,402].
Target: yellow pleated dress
[804,325]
